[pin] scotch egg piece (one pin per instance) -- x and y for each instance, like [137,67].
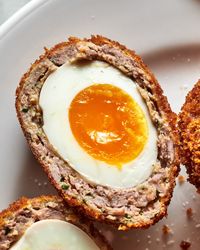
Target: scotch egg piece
[97,121]
[46,223]
[54,234]
[189,130]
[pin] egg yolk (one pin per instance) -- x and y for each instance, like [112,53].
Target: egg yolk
[108,124]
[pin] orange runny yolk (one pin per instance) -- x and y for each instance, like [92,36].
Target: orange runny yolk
[108,124]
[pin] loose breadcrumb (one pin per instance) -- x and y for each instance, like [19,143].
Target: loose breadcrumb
[181,179]
[185,245]
[166,229]
[189,212]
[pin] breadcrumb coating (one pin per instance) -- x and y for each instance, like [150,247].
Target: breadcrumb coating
[189,127]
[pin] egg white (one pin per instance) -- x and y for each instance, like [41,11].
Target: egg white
[54,234]
[56,96]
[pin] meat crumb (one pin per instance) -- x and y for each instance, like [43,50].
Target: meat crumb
[185,245]
[181,179]
[166,229]
[189,212]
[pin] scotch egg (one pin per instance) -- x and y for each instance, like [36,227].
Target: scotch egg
[189,130]
[97,121]
[46,223]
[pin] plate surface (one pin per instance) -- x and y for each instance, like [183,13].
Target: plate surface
[167,36]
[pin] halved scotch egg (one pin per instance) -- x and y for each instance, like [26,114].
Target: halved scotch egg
[97,121]
[189,128]
[45,223]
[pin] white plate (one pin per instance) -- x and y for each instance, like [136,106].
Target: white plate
[165,33]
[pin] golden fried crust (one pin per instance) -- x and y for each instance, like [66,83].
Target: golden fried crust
[189,125]
[46,207]
[161,103]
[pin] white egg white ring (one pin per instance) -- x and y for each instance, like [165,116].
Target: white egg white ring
[54,234]
[56,95]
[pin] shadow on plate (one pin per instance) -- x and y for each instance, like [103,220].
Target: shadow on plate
[185,54]
[32,180]
[197,1]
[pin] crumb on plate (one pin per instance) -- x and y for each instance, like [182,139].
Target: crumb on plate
[166,229]
[185,245]
[189,212]
[181,179]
